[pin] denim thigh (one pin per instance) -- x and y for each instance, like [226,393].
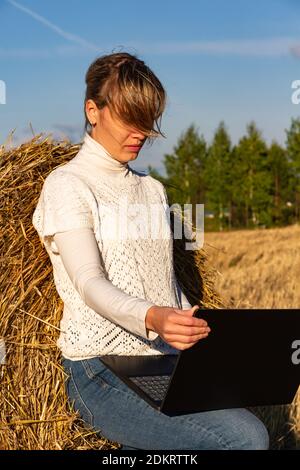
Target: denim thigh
[120,415]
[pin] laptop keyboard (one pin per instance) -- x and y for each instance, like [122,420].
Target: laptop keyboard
[154,385]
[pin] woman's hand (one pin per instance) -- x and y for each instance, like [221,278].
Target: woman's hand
[177,327]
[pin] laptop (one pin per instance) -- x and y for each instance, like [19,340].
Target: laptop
[250,358]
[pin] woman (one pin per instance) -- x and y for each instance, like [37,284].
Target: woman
[120,292]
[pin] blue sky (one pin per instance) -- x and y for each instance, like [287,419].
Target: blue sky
[230,60]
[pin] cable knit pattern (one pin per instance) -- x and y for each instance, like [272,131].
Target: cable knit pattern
[81,193]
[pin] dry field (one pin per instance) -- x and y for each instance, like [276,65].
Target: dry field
[259,269]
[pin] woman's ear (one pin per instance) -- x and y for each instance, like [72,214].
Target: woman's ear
[91,111]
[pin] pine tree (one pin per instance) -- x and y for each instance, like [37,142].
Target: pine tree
[253,180]
[218,174]
[293,150]
[281,189]
[185,169]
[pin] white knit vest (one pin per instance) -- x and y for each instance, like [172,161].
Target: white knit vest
[77,194]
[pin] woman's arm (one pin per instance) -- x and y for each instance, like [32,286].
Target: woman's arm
[80,255]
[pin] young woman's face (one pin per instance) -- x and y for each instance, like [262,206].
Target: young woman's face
[114,135]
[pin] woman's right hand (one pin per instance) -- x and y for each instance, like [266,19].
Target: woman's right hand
[177,327]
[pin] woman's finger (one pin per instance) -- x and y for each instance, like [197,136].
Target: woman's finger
[182,346]
[186,330]
[187,320]
[185,339]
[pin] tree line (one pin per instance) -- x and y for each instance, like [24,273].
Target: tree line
[247,185]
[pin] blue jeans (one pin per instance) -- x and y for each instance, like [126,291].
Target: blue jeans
[119,414]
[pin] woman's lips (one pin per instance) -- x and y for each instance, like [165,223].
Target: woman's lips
[134,148]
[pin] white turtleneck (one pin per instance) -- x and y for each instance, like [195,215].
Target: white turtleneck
[102,159]
[78,247]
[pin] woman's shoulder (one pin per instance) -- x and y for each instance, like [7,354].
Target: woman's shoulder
[159,186]
[66,176]
[155,182]
[64,185]
[147,178]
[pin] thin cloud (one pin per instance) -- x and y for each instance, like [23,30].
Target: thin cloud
[267,47]
[25,53]
[74,132]
[65,34]
[276,47]
[43,53]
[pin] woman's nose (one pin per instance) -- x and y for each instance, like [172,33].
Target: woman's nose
[139,135]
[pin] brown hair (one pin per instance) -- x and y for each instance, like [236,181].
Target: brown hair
[129,88]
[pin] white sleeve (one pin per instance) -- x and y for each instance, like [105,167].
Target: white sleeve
[184,301]
[65,203]
[81,257]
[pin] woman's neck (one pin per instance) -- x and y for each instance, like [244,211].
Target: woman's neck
[100,157]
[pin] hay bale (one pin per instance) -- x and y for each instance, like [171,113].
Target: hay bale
[35,413]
